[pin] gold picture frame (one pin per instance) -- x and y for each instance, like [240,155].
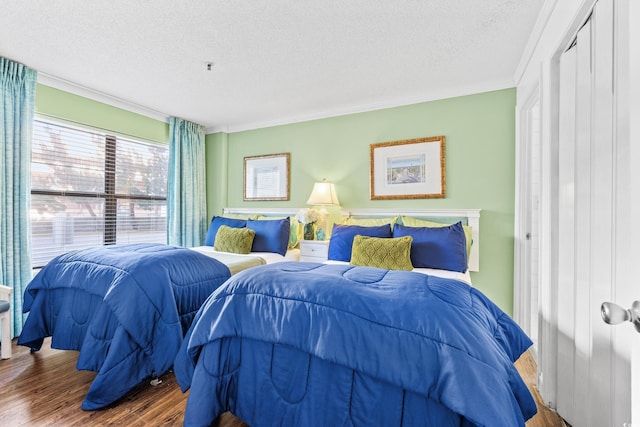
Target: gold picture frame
[408,169]
[267,177]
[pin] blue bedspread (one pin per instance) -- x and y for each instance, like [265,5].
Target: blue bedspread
[309,344]
[125,308]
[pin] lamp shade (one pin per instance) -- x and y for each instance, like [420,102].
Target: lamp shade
[324,193]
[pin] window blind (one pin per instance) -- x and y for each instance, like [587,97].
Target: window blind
[90,188]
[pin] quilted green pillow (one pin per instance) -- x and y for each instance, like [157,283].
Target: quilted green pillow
[387,253]
[236,240]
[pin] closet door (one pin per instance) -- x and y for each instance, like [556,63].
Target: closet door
[593,240]
[629,44]
[567,235]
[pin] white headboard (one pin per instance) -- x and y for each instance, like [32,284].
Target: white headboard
[470,217]
[262,211]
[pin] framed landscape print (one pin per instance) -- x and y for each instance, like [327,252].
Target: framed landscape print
[408,169]
[267,177]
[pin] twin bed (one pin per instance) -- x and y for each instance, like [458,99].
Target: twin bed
[306,344]
[339,343]
[126,308]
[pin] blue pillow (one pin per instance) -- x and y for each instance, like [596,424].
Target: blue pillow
[444,248]
[342,238]
[272,235]
[216,222]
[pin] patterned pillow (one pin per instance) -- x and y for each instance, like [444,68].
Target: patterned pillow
[387,253]
[236,240]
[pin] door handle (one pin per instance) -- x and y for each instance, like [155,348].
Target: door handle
[613,314]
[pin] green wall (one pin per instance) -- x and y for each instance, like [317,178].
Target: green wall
[63,105]
[480,167]
[480,152]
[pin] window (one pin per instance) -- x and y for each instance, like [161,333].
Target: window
[89,188]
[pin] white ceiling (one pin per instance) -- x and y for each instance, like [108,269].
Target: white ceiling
[274,61]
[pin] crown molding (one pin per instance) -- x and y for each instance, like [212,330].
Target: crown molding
[95,95]
[390,103]
[76,89]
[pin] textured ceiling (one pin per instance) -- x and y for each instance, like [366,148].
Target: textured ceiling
[274,61]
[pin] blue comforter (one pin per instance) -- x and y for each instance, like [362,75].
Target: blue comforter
[309,344]
[125,308]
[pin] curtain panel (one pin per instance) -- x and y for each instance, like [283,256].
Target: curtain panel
[17,105]
[186,196]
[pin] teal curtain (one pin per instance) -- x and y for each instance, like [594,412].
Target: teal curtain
[186,198]
[17,104]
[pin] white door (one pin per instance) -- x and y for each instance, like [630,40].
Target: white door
[593,229]
[527,223]
[627,342]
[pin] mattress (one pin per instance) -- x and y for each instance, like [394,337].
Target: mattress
[239,262]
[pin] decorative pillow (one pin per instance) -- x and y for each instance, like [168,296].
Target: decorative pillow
[415,222]
[236,240]
[272,235]
[295,230]
[390,254]
[443,248]
[216,222]
[295,234]
[342,236]
[241,216]
[369,222]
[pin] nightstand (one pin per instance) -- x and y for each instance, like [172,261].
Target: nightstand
[314,250]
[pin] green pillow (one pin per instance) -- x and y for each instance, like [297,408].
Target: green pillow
[236,240]
[240,216]
[415,222]
[370,222]
[387,253]
[295,233]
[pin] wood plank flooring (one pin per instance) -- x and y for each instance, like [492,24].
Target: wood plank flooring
[45,389]
[526,365]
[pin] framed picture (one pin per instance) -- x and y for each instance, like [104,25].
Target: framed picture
[267,177]
[408,169]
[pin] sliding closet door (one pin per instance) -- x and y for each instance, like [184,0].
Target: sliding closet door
[630,75]
[592,235]
[567,235]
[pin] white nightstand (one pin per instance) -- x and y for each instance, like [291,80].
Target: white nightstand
[314,250]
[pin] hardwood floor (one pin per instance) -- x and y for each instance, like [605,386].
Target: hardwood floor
[545,416]
[45,389]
